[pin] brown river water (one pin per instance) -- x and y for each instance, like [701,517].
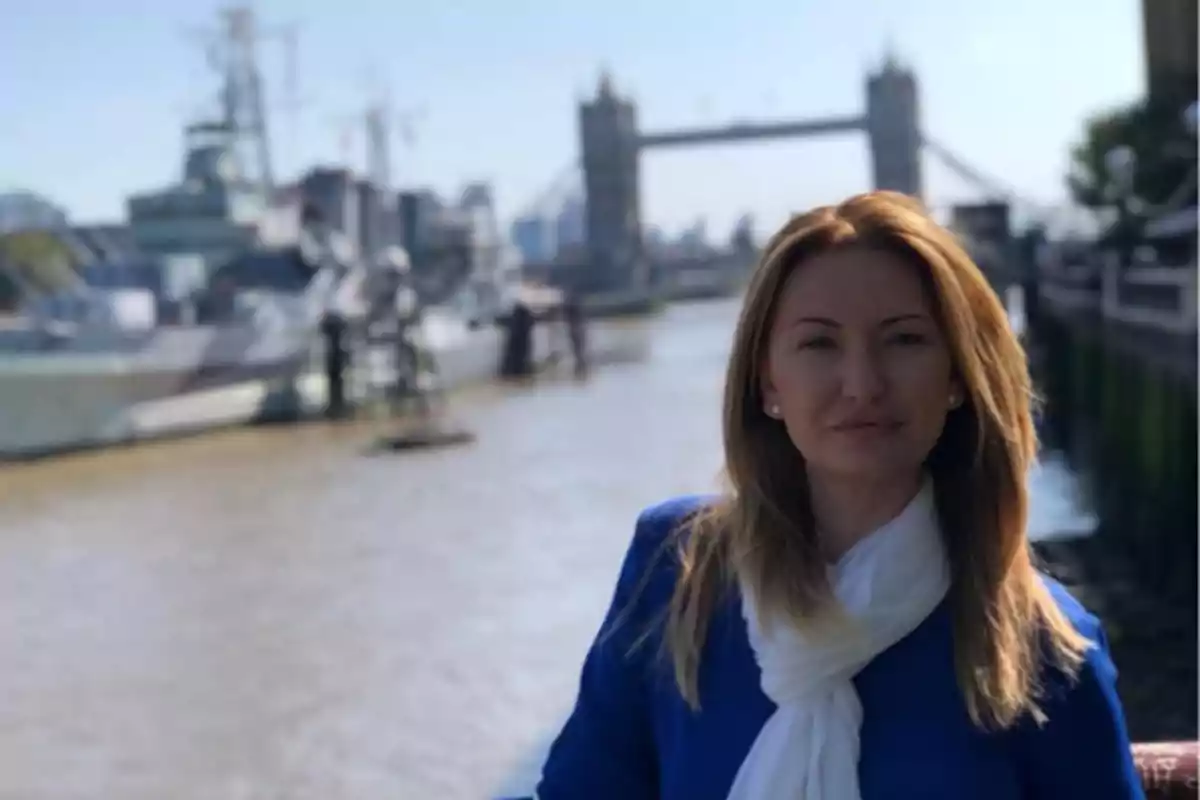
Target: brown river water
[275,613]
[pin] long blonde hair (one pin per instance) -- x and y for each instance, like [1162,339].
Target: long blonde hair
[762,528]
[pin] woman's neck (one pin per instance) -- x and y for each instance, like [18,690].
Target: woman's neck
[846,511]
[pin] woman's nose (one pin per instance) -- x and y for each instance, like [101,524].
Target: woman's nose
[863,376]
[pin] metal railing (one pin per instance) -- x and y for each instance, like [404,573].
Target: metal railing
[1158,298]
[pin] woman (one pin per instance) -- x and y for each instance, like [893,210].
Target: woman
[859,616]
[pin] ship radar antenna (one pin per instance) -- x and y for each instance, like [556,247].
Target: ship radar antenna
[232,52]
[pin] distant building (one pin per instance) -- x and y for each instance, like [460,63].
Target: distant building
[534,237]
[354,207]
[986,230]
[477,195]
[477,203]
[419,211]
[654,239]
[743,233]
[457,247]
[332,193]
[694,240]
[1169,41]
[571,225]
[378,225]
[492,253]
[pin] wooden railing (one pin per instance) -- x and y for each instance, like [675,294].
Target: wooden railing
[1168,769]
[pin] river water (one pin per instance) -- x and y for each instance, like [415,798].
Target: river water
[275,613]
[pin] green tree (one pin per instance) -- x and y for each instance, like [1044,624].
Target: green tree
[1164,151]
[36,259]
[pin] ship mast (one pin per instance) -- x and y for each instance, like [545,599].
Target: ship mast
[378,130]
[233,53]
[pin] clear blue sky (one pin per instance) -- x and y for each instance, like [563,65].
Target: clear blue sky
[93,94]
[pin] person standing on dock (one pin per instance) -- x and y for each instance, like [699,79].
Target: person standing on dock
[858,616]
[517,361]
[573,316]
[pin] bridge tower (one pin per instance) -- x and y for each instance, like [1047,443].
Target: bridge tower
[609,147]
[893,126]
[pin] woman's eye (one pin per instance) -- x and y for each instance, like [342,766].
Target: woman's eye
[909,338]
[818,343]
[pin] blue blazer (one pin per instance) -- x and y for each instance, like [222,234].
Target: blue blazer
[632,737]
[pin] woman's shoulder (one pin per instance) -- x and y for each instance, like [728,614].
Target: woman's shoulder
[1092,685]
[658,521]
[1097,666]
[1083,620]
[651,564]
[1082,722]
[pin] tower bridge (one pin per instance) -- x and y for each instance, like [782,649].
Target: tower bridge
[611,145]
[746,132]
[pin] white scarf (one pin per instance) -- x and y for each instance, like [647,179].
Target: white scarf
[887,584]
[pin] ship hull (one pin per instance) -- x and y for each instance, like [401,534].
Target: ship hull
[193,381]
[179,383]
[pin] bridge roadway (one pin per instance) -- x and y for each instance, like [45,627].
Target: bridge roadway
[751,131]
[272,613]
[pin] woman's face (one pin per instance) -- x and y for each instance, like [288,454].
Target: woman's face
[857,369]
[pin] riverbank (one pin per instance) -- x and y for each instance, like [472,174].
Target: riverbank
[1127,426]
[1152,635]
[623,305]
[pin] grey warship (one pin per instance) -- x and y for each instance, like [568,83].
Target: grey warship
[207,314]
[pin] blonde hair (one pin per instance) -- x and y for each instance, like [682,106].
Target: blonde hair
[1004,618]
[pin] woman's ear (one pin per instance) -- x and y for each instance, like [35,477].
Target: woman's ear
[957,395]
[766,388]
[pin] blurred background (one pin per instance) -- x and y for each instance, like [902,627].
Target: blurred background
[340,345]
